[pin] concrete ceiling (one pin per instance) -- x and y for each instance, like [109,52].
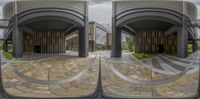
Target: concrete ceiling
[49,24]
[150,24]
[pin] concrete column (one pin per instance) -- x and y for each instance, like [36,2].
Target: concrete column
[83,40]
[17,41]
[116,36]
[116,43]
[5,46]
[92,45]
[182,42]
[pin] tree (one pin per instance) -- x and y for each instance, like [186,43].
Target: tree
[130,43]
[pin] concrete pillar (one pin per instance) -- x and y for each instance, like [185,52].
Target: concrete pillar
[17,41]
[83,41]
[116,35]
[5,46]
[116,43]
[182,42]
[92,45]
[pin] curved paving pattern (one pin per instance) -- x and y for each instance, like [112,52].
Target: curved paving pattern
[161,76]
[65,75]
[135,79]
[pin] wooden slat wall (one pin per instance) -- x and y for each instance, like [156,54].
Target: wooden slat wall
[147,41]
[50,41]
[28,44]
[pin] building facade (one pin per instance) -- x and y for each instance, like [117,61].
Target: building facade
[100,37]
[158,26]
[42,26]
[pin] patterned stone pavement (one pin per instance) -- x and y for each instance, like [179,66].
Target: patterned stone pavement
[161,76]
[3,59]
[70,76]
[55,76]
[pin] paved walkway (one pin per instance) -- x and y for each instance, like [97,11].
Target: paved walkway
[171,63]
[66,75]
[3,59]
[53,76]
[160,76]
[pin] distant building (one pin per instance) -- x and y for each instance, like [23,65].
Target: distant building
[99,36]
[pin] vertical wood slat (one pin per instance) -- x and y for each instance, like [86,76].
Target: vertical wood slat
[47,41]
[60,46]
[43,32]
[44,40]
[50,41]
[41,39]
[54,49]
[59,41]
[63,42]
[55,45]
[56,35]
[52,44]
[53,41]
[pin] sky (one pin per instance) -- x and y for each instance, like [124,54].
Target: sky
[101,12]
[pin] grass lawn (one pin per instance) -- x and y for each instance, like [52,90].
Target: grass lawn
[143,55]
[172,54]
[8,55]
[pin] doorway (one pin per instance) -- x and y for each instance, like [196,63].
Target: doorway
[37,49]
[161,49]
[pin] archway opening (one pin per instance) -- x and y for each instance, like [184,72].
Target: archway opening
[52,35]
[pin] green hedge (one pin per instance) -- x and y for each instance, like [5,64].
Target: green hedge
[143,55]
[8,55]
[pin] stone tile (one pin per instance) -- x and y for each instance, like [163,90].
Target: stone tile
[62,67]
